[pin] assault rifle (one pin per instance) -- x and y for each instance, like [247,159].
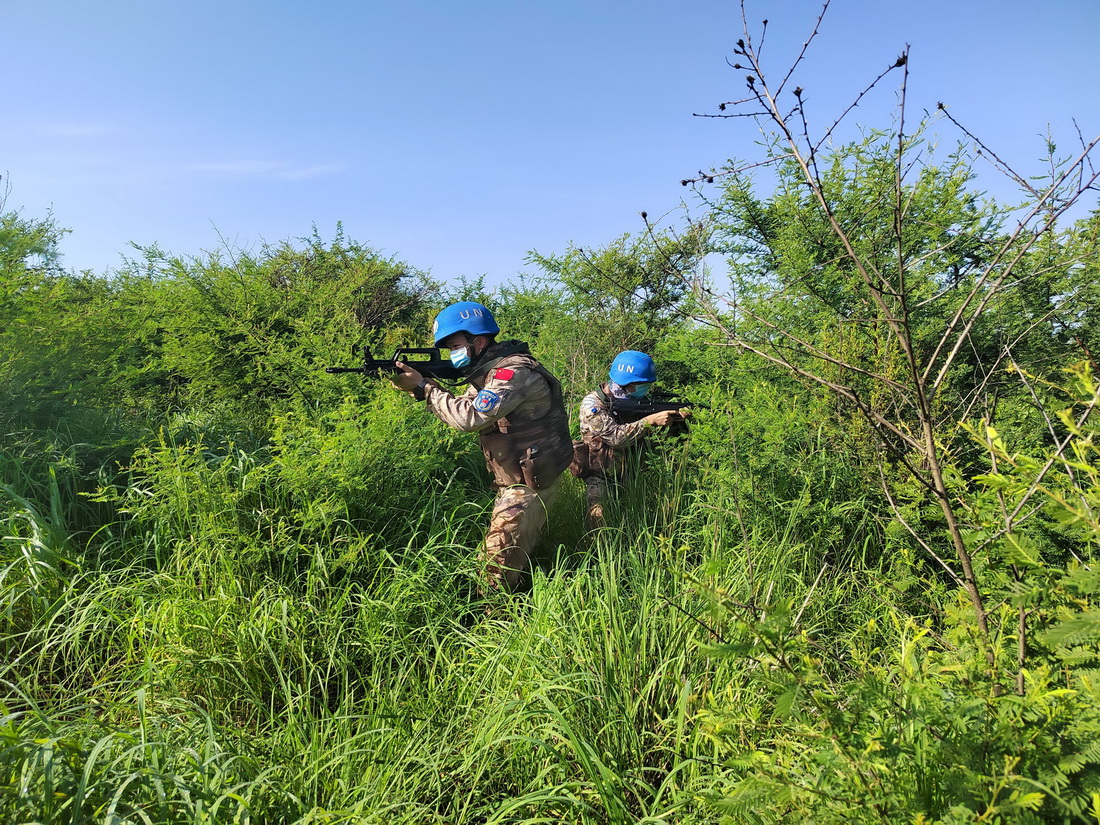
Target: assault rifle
[628,410]
[426,360]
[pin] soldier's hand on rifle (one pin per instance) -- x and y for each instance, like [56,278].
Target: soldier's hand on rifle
[663,418]
[408,379]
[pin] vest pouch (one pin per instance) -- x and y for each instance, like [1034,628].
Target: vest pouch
[501,459]
[601,458]
[580,467]
[540,468]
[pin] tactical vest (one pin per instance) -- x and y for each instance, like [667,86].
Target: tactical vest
[524,447]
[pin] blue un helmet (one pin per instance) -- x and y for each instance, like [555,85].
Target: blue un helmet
[632,367]
[465,316]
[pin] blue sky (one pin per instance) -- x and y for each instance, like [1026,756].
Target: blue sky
[457,137]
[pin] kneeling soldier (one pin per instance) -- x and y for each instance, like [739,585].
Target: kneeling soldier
[614,447]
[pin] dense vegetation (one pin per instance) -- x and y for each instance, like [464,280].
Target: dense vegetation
[863,589]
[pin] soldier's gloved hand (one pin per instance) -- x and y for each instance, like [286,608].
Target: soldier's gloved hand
[407,379]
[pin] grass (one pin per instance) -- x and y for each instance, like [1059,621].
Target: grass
[182,666]
[189,685]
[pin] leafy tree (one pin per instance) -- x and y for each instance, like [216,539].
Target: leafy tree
[253,332]
[872,274]
[629,294]
[57,336]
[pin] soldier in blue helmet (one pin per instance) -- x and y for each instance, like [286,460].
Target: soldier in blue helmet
[614,447]
[516,407]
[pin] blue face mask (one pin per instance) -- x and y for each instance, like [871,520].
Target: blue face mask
[640,391]
[460,357]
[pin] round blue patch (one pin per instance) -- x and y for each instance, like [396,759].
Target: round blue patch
[486,401]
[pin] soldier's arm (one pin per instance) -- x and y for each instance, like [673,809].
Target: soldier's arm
[597,420]
[477,410]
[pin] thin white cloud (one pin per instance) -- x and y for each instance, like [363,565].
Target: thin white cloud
[268,169]
[313,171]
[241,167]
[75,130]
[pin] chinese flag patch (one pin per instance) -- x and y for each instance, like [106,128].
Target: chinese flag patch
[503,374]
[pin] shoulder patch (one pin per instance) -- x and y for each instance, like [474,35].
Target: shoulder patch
[486,401]
[503,373]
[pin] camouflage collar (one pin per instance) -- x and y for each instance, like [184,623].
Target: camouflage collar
[494,355]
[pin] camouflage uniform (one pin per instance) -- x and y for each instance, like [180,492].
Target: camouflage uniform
[516,407]
[613,447]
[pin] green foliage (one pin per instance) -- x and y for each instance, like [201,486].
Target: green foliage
[1073,291]
[628,295]
[353,690]
[66,344]
[322,480]
[35,565]
[812,293]
[28,248]
[901,719]
[921,738]
[873,275]
[778,463]
[254,332]
[249,333]
[374,466]
[633,281]
[235,588]
[159,763]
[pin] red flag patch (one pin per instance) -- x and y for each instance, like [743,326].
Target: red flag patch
[503,374]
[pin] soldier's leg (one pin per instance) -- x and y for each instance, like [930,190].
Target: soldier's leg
[596,492]
[519,514]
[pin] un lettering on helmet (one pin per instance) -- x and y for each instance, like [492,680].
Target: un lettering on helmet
[632,367]
[465,316]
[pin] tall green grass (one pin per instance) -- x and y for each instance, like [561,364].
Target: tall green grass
[701,658]
[363,682]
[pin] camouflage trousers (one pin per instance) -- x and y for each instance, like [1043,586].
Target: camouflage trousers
[519,514]
[596,492]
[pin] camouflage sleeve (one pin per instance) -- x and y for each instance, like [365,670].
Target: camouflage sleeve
[476,410]
[596,421]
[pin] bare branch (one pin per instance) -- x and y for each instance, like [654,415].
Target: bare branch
[1006,352]
[821,355]
[952,329]
[840,389]
[1057,456]
[710,176]
[901,61]
[909,529]
[805,48]
[1000,164]
[1081,140]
